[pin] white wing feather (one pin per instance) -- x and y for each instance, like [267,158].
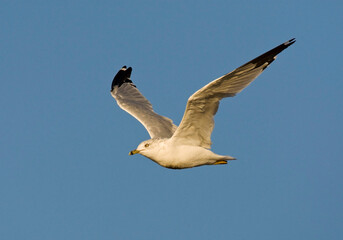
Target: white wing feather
[132,101]
[197,122]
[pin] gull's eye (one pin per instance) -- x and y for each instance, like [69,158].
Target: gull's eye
[146,145]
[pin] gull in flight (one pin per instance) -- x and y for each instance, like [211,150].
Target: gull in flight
[187,145]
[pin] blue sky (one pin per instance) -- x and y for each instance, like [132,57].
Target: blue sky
[65,172]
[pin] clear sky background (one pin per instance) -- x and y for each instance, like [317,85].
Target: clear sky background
[65,172]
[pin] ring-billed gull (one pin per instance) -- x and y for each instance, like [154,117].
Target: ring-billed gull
[189,144]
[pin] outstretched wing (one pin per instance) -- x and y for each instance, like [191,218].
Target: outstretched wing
[197,122]
[132,101]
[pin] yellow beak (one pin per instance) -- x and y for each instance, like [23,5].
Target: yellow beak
[133,152]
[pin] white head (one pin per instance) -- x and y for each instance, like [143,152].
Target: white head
[150,148]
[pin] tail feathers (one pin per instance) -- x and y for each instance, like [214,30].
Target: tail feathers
[229,158]
[224,160]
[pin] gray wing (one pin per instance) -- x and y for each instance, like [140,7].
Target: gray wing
[197,122]
[132,101]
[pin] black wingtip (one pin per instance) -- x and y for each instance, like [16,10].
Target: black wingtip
[270,56]
[290,42]
[122,76]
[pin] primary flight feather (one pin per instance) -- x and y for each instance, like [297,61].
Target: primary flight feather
[187,145]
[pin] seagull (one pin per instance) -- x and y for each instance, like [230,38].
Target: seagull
[187,145]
